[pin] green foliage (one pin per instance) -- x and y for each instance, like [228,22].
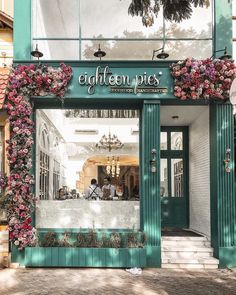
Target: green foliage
[115,240]
[95,239]
[92,239]
[50,240]
[173,10]
[80,240]
[65,240]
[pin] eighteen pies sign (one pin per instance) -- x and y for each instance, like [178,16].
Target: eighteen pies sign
[142,83]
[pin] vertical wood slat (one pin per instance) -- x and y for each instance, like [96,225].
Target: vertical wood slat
[85,257]
[150,198]
[223,213]
[150,191]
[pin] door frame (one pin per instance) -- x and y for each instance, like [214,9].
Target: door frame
[175,154]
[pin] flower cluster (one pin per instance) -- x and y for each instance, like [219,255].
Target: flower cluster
[3,181]
[24,82]
[203,79]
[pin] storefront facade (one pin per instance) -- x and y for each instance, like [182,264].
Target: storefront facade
[207,202]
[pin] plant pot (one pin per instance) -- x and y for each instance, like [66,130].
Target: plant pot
[84,257]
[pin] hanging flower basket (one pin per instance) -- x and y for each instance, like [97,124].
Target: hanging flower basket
[24,82]
[203,79]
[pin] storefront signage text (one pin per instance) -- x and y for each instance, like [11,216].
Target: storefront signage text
[121,83]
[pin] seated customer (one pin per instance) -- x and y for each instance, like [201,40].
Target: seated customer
[108,190]
[61,194]
[93,192]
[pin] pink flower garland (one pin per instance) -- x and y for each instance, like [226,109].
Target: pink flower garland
[203,79]
[24,82]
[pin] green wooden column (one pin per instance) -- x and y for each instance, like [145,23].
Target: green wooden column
[151,216]
[22,30]
[223,199]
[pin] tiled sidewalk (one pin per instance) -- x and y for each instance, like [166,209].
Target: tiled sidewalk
[116,281]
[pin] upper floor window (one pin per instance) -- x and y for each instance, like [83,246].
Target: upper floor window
[74,29]
[234,29]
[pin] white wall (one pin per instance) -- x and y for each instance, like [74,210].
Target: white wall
[199,174]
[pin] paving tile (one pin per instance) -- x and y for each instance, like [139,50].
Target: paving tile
[61,281]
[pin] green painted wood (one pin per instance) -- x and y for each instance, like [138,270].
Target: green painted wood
[17,256]
[227,257]
[223,211]
[85,257]
[174,212]
[151,181]
[22,30]
[222,26]
[54,257]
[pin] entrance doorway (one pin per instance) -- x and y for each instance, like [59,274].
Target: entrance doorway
[173,177]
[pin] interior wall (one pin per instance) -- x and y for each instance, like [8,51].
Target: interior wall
[199,173]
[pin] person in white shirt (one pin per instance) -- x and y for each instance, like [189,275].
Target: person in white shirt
[93,192]
[108,190]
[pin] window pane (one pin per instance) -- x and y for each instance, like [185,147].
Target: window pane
[177,178]
[59,50]
[113,21]
[143,50]
[44,177]
[193,28]
[164,178]
[56,178]
[56,18]
[163,140]
[182,49]
[176,140]
[91,150]
[234,28]
[234,50]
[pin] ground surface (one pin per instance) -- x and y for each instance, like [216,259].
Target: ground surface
[116,281]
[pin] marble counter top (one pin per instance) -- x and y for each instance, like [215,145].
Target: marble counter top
[86,214]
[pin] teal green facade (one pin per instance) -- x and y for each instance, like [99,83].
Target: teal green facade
[222,185]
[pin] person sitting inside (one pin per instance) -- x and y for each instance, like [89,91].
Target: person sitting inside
[108,190]
[93,192]
[61,194]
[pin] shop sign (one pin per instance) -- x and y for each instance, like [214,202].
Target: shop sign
[142,83]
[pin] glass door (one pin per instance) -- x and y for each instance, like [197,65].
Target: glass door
[173,177]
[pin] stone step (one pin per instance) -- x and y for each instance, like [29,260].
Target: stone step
[186,243]
[185,255]
[184,238]
[203,260]
[186,249]
[189,266]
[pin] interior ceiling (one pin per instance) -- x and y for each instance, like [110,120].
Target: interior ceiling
[187,115]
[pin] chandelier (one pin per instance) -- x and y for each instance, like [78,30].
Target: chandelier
[113,167]
[109,142]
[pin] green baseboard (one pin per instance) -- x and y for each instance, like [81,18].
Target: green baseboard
[85,257]
[227,257]
[153,256]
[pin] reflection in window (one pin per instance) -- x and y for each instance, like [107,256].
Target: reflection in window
[56,178]
[177,178]
[164,178]
[176,140]
[125,37]
[163,140]
[44,176]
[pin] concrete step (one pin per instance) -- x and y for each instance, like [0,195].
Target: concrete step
[184,238]
[189,266]
[202,260]
[185,255]
[187,243]
[186,249]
